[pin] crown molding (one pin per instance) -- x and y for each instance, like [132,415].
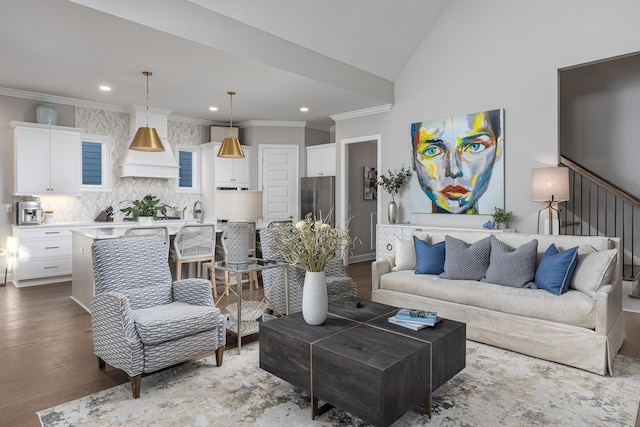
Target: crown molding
[318,127]
[194,121]
[281,123]
[35,96]
[272,123]
[361,113]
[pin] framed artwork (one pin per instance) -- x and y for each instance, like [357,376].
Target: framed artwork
[370,183]
[458,163]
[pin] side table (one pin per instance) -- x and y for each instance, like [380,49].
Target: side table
[248,306]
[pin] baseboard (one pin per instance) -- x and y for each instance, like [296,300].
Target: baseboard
[361,258]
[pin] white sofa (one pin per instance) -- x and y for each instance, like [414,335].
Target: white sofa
[575,328]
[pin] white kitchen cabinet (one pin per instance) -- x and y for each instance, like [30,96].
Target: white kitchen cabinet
[321,160]
[46,159]
[233,172]
[44,255]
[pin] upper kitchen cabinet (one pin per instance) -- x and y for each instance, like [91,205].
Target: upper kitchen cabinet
[233,173]
[321,160]
[46,159]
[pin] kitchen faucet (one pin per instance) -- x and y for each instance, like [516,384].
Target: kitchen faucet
[198,213]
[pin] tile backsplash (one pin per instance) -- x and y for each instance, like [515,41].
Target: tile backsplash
[116,125]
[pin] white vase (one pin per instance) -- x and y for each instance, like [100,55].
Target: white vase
[314,298]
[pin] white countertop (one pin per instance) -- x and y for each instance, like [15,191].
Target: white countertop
[107,230]
[109,224]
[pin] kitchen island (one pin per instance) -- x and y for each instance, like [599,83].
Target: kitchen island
[82,283]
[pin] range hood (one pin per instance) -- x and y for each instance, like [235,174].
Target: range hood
[161,164]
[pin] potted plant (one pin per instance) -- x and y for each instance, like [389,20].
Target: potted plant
[501,217]
[148,207]
[391,184]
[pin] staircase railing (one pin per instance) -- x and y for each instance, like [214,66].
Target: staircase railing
[599,207]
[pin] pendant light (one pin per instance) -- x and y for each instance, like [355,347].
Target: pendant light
[146,138]
[230,147]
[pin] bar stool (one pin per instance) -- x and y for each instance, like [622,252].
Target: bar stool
[193,243]
[225,276]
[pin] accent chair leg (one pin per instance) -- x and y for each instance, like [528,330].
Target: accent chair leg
[101,363]
[136,382]
[219,354]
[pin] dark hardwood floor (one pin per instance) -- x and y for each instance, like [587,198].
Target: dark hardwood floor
[46,348]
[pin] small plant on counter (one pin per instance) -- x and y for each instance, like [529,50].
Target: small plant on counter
[501,216]
[148,206]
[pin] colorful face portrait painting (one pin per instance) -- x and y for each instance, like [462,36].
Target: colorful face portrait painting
[459,164]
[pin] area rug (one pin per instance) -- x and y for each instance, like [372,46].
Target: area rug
[497,388]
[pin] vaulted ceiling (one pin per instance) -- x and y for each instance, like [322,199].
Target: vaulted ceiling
[332,56]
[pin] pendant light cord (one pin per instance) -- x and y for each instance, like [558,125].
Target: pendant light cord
[147,73]
[231,93]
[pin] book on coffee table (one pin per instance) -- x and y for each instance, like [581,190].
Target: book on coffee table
[416,326]
[409,325]
[417,316]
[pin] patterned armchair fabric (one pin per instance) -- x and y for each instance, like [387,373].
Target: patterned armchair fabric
[142,321]
[339,285]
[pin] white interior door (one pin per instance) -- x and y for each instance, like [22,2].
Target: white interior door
[279,180]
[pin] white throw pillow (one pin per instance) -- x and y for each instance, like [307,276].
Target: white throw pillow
[594,270]
[406,252]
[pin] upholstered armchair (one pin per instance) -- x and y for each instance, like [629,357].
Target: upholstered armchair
[339,285]
[142,321]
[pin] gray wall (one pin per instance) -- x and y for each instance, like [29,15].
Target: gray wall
[507,63]
[300,136]
[361,154]
[599,113]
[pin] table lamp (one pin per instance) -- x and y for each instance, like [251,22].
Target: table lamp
[549,186]
[238,207]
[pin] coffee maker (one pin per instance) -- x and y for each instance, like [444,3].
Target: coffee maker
[29,212]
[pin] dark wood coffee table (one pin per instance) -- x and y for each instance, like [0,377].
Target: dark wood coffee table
[359,362]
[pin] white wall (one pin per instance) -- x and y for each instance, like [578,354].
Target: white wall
[498,54]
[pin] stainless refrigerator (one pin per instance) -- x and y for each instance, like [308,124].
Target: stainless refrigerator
[317,195]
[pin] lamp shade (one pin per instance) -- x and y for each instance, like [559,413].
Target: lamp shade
[231,149]
[550,184]
[238,205]
[146,139]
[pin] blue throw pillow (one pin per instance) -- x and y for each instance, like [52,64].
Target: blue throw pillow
[556,269]
[429,258]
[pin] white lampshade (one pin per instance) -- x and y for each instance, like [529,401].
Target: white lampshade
[550,184]
[237,205]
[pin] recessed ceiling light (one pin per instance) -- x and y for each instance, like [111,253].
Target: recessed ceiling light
[213,108]
[105,88]
[304,109]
